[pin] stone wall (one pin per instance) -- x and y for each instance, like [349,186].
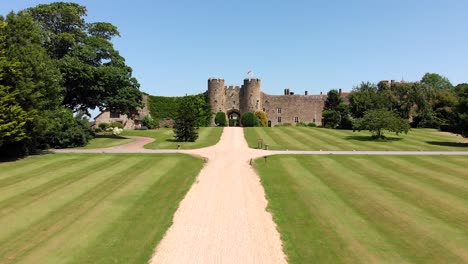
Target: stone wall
[128,123]
[293,108]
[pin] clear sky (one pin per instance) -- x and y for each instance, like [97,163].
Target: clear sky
[174,46]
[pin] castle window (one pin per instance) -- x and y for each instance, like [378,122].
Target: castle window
[296,119]
[114,114]
[279,119]
[279,110]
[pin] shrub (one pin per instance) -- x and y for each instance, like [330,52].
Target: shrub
[311,125]
[117,125]
[249,120]
[301,124]
[149,122]
[286,124]
[220,119]
[103,126]
[262,118]
[141,128]
[97,130]
[233,122]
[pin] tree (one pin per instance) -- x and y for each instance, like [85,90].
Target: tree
[436,82]
[249,119]
[378,120]
[333,100]
[262,118]
[220,119]
[149,122]
[185,126]
[365,97]
[462,110]
[94,73]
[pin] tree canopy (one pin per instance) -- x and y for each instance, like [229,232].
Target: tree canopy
[378,120]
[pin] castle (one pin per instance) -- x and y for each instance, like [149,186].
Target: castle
[287,108]
[236,100]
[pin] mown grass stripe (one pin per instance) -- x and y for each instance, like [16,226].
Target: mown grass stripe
[69,175]
[56,221]
[38,172]
[442,205]
[359,239]
[436,177]
[393,216]
[107,215]
[139,231]
[25,166]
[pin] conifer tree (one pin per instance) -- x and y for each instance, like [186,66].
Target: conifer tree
[185,127]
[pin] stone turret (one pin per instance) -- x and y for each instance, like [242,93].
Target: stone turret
[251,96]
[217,94]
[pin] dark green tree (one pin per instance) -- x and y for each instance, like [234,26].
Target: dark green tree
[461,125]
[333,100]
[378,120]
[94,73]
[365,97]
[436,82]
[331,118]
[185,126]
[249,119]
[220,119]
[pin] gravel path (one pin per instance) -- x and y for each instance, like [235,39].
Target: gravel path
[223,219]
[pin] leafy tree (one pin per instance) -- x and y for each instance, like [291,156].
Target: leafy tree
[220,119]
[436,82]
[262,118]
[331,118]
[94,73]
[462,110]
[365,97]
[185,126]
[333,100]
[249,119]
[378,120]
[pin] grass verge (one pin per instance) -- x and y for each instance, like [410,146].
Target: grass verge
[395,209]
[90,208]
[104,141]
[305,138]
[164,138]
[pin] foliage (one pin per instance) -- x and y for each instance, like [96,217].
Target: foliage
[116,125]
[149,122]
[377,120]
[462,110]
[249,119]
[331,118]
[94,74]
[365,97]
[104,126]
[333,100]
[301,124]
[116,131]
[220,119]
[63,130]
[436,82]
[311,125]
[262,118]
[233,122]
[162,107]
[185,126]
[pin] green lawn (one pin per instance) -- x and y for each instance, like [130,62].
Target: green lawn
[305,138]
[90,208]
[164,138]
[361,209]
[101,141]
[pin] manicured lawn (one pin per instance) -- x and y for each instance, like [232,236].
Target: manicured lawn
[369,209]
[90,208]
[305,138]
[106,142]
[164,138]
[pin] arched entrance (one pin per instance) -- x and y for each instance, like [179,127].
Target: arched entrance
[234,117]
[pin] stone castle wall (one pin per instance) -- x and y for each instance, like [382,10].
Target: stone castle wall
[280,109]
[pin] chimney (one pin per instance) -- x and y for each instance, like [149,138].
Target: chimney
[285,91]
[392,82]
[320,93]
[306,93]
[339,91]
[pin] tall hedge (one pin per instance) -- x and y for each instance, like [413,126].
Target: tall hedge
[249,120]
[162,107]
[220,119]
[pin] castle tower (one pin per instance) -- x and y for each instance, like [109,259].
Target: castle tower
[251,100]
[216,93]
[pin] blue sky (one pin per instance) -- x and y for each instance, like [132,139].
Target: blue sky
[175,46]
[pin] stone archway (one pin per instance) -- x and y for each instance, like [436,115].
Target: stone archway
[234,117]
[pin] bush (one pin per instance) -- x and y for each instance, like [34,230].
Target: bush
[141,128]
[233,122]
[262,118]
[301,124]
[311,125]
[249,120]
[149,122]
[331,118]
[117,125]
[104,126]
[97,130]
[220,119]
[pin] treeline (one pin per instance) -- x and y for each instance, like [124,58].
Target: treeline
[54,67]
[162,107]
[432,102]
